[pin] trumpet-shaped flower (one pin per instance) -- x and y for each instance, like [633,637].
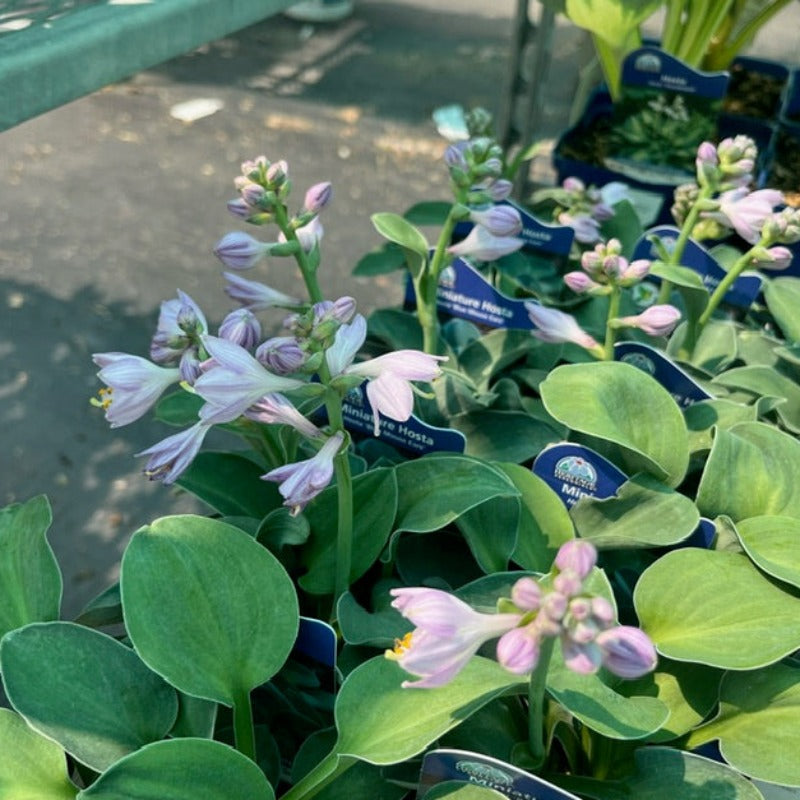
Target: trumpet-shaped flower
[171,456]
[447,634]
[275,409]
[133,385]
[555,326]
[746,211]
[500,220]
[482,245]
[234,381]
[303,481]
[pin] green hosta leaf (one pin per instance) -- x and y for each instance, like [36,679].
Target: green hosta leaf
[783,300]
[31,766]
[491,531]
[692,291]
[755,347]
[663,773]
[644,513]
[757,724]
[767,382]
[398,329]
[231,484]
[382,723]
[504,435]
[774,545]
[85,690]
[458,790]
[380,261]
[690,691]
[396,229]
[614,22]
[428,212]
[702,417]
[179,408]
[618,403]
[182,769]
[30,580]
[715,348]
[378,629]
[196,717]
[206,606]
[435,490]
[493,352]
[751,471]
[375,504]
[716,608]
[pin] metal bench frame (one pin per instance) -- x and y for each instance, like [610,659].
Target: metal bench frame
[70,49]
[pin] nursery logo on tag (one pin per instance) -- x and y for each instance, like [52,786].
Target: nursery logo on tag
[577,471]
[648,62]
[640,361]
[485,773]
[447,277]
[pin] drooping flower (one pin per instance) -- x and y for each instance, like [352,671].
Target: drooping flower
[275,409]
[448,633]
[134,384]
[303,481]
[171,456]
[586,227]
[235,381]
[253,295]
[772,258]
[555,326]
[481,245]
[239,250]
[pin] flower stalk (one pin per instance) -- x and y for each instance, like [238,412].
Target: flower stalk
[537,702]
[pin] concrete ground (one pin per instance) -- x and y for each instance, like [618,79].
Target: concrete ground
[110,204]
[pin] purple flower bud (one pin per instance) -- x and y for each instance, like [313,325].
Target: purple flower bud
[254,295]
[277,173]
[583,632]
[554,606]
[526,594]
[602,212]
[238,250]
[552,325]
[778,258]
[454,156]
[580,282]
[706,163]
[499,220]
[190,366]
[657,320]
[500,189]
[580,608]
[171,456]
[627,651]
[578,555]
[281,355]
[242,328]
[635,271]
[253,194]
[252,169]
[567,582]
[518,650]
[592,262]
[239,208]
[481,245]
[587,229]
[317,197]
[613,266]
[573,184]
[585,659]
[188,319]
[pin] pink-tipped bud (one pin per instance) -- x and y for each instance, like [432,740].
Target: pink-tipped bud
[706,163]
[499,220]
[253,194]
[578,555]
[277,173]
[602,611]
[635,271]
[518,650]
[239,208]
[573,184]
[241,327]
[774,258]
[580,608]
[568,583]
[580,282]
[554,606]
[592,262]
[526,594]
[627,651]
[657,320]
[318,197]
[552,325]
[238,250]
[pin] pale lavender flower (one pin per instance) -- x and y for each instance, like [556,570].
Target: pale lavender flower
[308,236]
[275,409]
[172,335]
[281,354]
[448,633]
[134,384]
[253,194]
[500,189]
[242,328]
[745,211]
[239,250]
[500,220]
[627,651]
[346,344]
[555,326]
[657,320]
[483,246]
[454,156]
[235,381]
[318,197]
[587,229]
[577,555]
[253,295]
[190,366]
[518,650]
[300,483]
[171,456]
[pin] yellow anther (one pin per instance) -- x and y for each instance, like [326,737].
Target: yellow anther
[402,645]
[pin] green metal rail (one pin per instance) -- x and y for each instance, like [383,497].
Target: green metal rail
[54,52]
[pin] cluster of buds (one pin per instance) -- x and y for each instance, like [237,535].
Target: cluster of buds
[603,268]
[448,632]
[493,233]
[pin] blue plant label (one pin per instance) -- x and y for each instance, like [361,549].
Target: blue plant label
[461,765]
[683,388]
[413,436]
[316,640]
[703,535]
[573,471]
[463,292]
[745,288]
[653,68]
[538,236]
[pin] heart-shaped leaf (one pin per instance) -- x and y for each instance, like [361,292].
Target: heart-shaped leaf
[618,403]
[716,608]
[774,545]
[85,690]
[783,300]
[30,580]
[504,435]
[206,606]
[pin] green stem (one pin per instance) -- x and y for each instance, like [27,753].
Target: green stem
[244,735]
[536,703]
[306,270]
[611,332]
[722,288]
[344,530]
[670,36]
[611,63]
[323,773]
[703,25]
